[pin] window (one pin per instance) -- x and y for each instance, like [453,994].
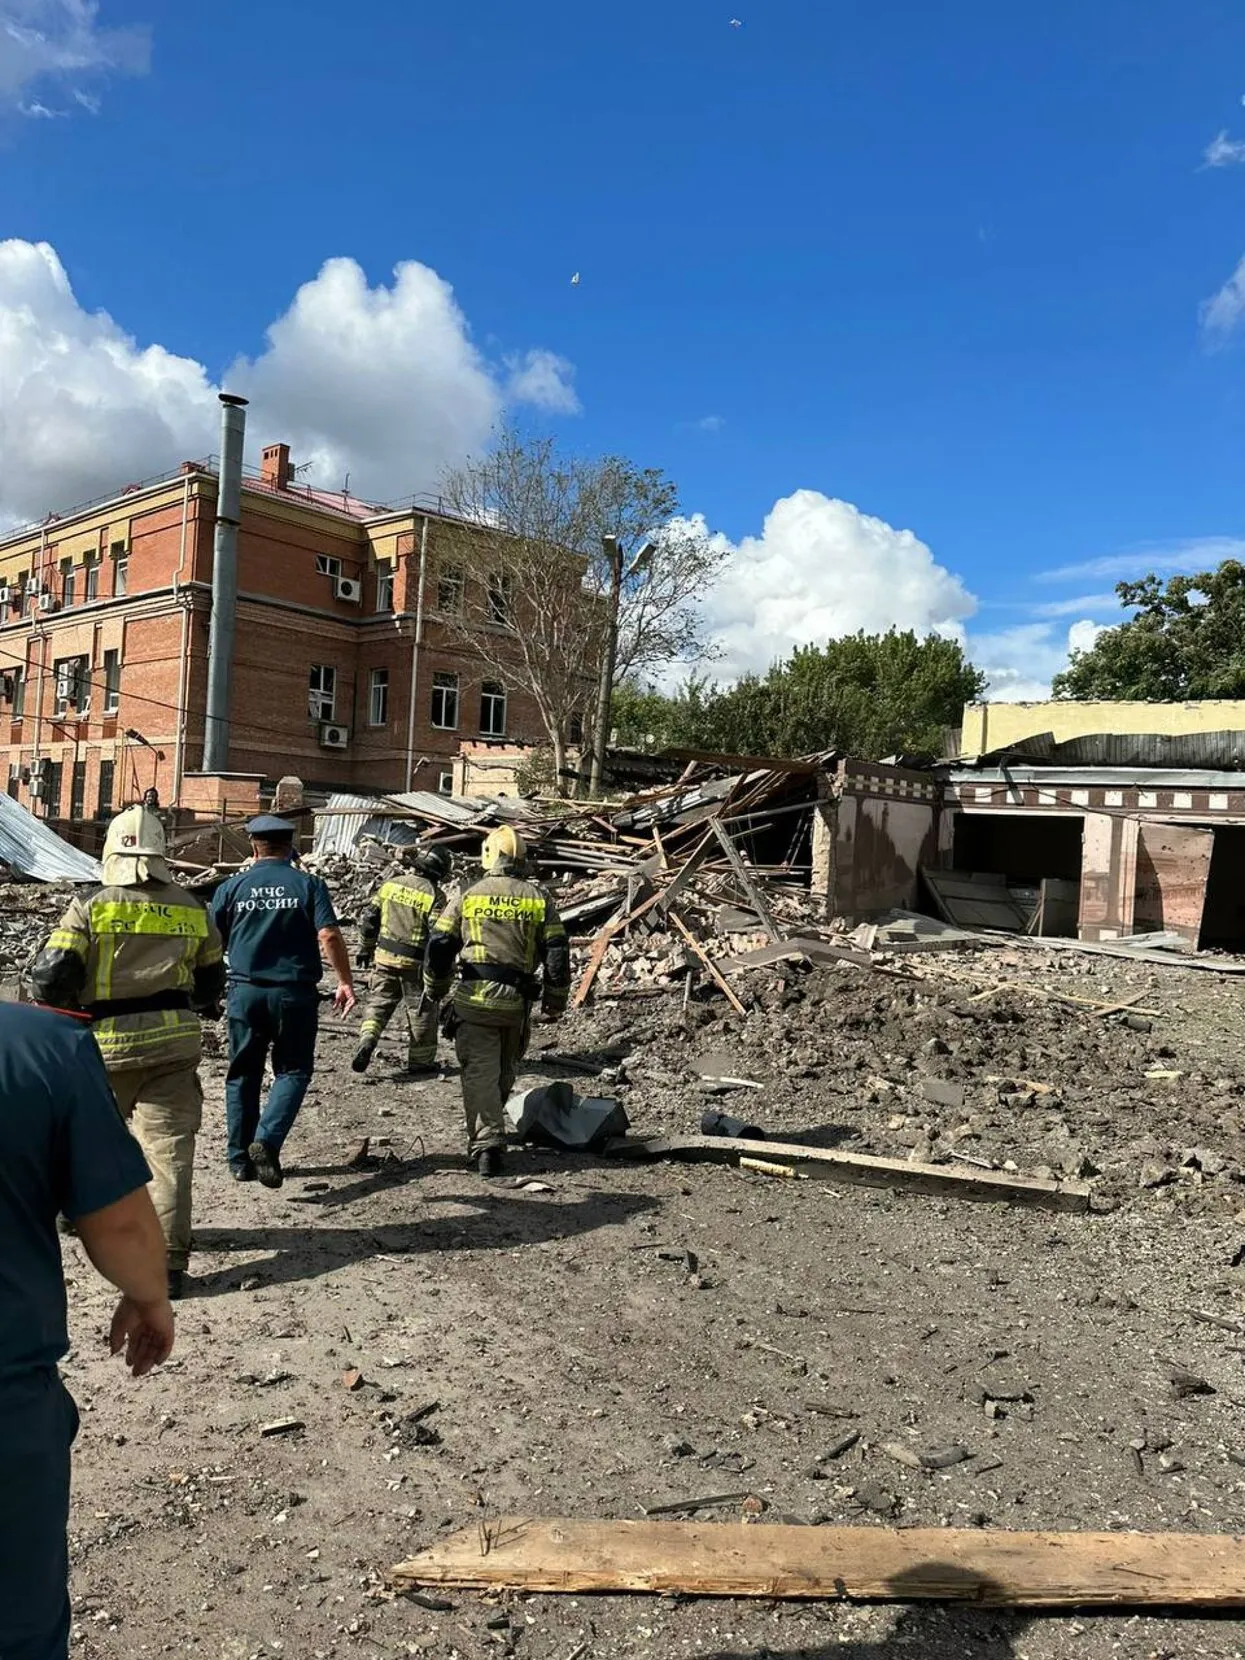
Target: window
[500,599]
[104,810]
[120,569]
[450,585]
[25,594]
[92,580]
[575,729]
[445,701]
[493,709]
[112,682]
[19,693]
[384,587]
[328,564]
[322,691]
[69,583]
[52,789]
[77,792]
[378,698]
[445,783]
[73,684]
[15,777]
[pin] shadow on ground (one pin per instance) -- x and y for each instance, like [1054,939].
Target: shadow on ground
[493,1221]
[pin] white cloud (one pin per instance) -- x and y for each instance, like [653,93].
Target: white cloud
[1223,151]
[711,423]
[58,47]
[1223,311]
[1021,662]
[543,379]
[1076,606]
[1197,553]
[821,568]
[382,382]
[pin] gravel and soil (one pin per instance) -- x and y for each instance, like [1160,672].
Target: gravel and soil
[556,1350]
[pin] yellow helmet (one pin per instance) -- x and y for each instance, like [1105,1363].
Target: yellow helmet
[503,843]
[134,834]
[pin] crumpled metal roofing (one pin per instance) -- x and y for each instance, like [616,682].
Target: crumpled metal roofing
[338,829]
[28,847]
[1222,751]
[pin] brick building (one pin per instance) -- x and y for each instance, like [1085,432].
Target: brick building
[342,671]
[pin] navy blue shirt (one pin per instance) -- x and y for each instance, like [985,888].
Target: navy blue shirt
[63,1147]
[270,917]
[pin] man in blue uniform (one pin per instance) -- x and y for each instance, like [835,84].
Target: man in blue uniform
[275,921]
[63,1150]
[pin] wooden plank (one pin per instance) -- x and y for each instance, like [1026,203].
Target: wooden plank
[687,870]
[864,1169]
[866,1564]
[749,886]
[717,978]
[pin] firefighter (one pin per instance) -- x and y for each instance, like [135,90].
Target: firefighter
[142,957]
[393,934]
[506,929]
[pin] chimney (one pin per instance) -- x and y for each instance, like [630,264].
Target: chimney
[274,466]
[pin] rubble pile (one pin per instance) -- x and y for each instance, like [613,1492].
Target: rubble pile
[920,1066]
[28,913]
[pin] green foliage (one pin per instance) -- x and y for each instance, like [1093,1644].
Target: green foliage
[1186,640]
[869,695]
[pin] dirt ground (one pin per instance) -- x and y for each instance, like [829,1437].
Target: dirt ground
[557,1352]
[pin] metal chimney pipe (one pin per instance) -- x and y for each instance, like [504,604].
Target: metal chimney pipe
[224,582]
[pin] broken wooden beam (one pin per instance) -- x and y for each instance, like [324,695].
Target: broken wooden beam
[694,944]
[863,1564]
[745,880]
[863,1169]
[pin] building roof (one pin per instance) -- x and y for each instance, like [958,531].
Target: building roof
[30,848]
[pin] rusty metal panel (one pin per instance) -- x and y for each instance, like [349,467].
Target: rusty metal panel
[1173,863]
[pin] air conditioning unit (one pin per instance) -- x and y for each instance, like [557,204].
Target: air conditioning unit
[48,602]
[36,787]
[6,596]
[32,584]
[332,736]
[66,687]
[39,770]
[348,588]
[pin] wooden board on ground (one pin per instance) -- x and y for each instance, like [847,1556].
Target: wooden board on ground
[945,1181]
[866,1564]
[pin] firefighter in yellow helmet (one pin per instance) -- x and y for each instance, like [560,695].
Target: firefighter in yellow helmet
[393,935]
[512,950]
[142,957]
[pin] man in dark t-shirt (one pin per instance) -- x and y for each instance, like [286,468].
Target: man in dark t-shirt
[63,1149]
[275,921]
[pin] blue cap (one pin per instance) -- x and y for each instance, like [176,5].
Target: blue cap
[267,824]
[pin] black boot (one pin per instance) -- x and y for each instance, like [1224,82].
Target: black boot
[177,1284]
[363,1055]
[267,1164]
[490,1162]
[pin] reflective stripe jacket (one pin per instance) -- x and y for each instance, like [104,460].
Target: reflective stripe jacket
[396,922]
[507,930]
[152,945]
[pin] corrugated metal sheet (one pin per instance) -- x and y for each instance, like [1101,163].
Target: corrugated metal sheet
[338,828]
[1223,751]
[30,848]
[1148,778]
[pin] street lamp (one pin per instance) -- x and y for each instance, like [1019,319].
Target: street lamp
[620,571]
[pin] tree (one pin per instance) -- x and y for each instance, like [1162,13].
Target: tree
[1185,640]
[527,547]
[868,695]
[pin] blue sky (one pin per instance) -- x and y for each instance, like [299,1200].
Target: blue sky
[946,264]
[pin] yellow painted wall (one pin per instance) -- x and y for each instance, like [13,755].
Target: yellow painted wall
[990,726]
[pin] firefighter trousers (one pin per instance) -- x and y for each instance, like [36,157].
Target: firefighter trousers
[391,988]
[163,1105]
[489,1056]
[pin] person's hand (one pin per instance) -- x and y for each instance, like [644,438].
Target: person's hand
[344,998]
[144,1331]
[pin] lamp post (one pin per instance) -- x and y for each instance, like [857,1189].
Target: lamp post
[620,571]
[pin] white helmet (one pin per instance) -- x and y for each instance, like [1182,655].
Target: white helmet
[134,834]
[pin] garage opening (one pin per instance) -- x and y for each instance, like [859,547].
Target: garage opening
[1223,912]
[1037,857]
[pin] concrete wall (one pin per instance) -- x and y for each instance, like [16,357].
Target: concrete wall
[874,828]
[990,726]
[1108,876]
[1173,866]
